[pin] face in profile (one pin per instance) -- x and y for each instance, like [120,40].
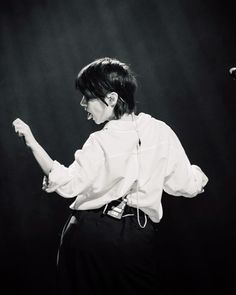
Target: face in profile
[97,110]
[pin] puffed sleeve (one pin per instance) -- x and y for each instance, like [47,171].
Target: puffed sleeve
[78,177]
[182,178]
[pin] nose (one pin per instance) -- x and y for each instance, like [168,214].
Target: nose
[83,102]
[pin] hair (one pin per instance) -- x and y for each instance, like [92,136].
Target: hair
[105,75]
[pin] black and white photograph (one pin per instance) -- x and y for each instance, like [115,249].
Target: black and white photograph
[117,147]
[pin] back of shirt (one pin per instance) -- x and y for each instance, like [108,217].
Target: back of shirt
[138,158]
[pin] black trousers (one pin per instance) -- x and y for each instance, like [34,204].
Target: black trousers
[102,255]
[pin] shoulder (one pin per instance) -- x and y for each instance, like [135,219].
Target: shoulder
[148,120]
[90,149]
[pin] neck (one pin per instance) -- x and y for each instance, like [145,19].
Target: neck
[127,117]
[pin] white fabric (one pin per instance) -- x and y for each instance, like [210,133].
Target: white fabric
[109,164]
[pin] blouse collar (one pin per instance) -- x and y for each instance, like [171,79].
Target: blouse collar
[126,121]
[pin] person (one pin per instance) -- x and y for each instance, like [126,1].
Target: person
[109,243]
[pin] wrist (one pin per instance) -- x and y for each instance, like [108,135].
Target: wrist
[33,144]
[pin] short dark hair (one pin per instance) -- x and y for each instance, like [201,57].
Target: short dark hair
[105,75]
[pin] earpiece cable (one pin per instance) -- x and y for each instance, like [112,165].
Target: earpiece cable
[137,187]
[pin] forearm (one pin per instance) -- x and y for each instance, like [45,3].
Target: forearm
[42,157]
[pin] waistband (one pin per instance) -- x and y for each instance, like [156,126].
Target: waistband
[128,212]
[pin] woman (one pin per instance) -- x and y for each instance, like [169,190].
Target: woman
[117,179]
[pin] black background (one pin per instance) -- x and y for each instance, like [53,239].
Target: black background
[181,51]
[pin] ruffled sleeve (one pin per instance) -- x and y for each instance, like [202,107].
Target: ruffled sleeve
[76,179]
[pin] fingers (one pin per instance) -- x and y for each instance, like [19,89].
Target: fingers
[17,122]
[45,183]
[19,126]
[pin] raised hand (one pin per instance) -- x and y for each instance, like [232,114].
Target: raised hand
[41,156]
[23,130]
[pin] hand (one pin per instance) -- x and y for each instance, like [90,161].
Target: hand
[23,130]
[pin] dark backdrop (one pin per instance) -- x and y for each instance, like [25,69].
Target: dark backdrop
[181,51]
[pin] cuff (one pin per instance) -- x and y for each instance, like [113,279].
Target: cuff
[57,177]
[203,179]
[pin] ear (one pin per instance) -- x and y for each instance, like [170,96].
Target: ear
[112,99]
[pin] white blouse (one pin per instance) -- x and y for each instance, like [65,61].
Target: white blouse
[112,164]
